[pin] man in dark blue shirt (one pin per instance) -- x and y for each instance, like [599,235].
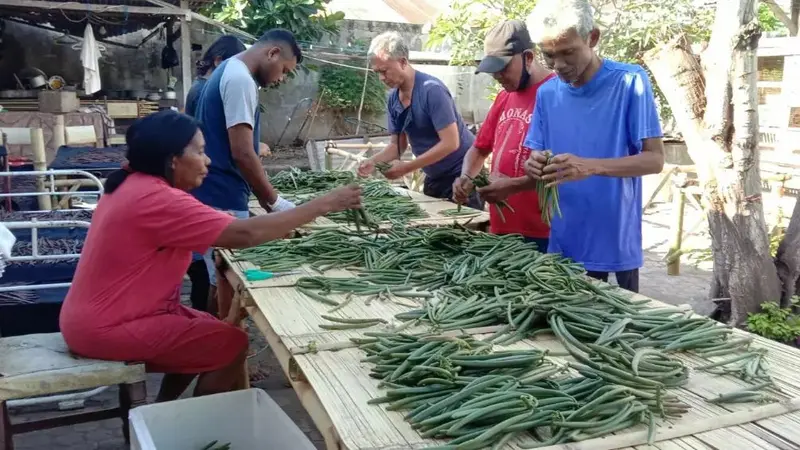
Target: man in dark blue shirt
[422,113]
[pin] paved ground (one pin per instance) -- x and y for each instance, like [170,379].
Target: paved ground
[690,287]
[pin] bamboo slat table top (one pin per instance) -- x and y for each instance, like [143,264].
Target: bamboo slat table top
[340,381]
[334,384]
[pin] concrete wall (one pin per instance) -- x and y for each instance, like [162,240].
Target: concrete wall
[120,68]
[281,102]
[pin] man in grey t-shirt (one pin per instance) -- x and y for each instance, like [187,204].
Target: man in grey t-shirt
[228,112]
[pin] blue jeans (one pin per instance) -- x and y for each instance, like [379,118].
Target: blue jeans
[208,256]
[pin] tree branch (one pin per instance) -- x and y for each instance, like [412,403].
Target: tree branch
[781,15]
[718,67]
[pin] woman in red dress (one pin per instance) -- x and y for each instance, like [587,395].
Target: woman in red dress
[124,303]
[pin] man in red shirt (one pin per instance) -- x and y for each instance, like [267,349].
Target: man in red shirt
[510,60]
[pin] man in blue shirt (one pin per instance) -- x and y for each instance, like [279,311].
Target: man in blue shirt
[599,119]
[421,113]
[228,112]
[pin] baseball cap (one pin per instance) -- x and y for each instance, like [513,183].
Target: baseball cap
[502,42]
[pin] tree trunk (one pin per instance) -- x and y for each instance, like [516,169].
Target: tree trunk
[787,259]
[715,107]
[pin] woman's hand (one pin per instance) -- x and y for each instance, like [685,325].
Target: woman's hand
[343,198]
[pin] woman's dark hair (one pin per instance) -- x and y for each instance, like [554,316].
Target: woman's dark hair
[223,48]
[152,143]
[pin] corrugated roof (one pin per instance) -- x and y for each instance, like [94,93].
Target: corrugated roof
[366,10]
[116,20]
[418,12]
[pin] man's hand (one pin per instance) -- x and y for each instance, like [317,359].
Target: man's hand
[566,167]
[343,198]
[281,204]
[263,150]
[498,190]
[366,168]
[534,166]
[398,169]
[462,187]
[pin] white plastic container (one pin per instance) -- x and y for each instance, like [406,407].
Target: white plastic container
[248,420]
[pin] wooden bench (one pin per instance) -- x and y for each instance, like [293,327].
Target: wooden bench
[40,364]
[80,135]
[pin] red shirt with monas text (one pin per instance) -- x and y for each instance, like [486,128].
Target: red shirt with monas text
[507,123]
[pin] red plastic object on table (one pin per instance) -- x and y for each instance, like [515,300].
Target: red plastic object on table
[14,163]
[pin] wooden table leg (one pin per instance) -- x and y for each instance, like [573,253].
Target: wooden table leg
[236,315]
[224,290]
[679,204]
[6,436]
[130,396]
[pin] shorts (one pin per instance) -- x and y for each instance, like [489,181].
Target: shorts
[208,257]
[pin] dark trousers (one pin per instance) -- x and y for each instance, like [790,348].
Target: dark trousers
[198,274]
[443,188]
[628,279]
[541,243]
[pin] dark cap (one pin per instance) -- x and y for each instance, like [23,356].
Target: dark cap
[502,42]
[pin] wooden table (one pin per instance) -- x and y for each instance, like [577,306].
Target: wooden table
[478,220]
[334,387]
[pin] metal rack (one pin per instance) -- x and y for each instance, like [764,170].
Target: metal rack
[64,401]
[35,225]
[50,184]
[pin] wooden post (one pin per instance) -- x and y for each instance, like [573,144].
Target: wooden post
[665,177]
[59,132]
[367,146]
[344,154]
[679,204]
[186,56]
[40,163]
[59,139]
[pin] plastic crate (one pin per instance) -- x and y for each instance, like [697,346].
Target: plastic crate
[248,420]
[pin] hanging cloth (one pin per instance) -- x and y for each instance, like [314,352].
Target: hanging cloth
[7,240]
[90,53]
[169,57]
